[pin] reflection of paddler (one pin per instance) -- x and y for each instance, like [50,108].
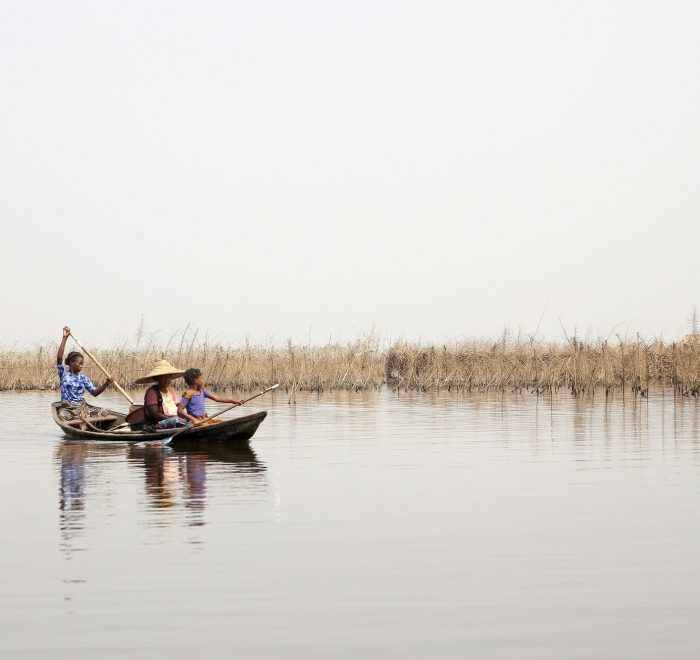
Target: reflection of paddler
[192,406]
[72,485]
[160,402]
[71,492]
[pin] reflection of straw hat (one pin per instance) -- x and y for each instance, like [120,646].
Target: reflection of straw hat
[161,368]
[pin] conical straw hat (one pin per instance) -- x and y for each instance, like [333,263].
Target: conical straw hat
[161,368]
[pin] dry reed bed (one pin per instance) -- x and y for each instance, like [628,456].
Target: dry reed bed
[467,366]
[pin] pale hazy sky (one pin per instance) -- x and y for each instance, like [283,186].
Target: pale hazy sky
[425,169]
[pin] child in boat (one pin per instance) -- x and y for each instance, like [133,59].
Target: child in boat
[73,382]
[191,404]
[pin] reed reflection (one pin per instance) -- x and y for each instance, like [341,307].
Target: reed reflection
[625,426]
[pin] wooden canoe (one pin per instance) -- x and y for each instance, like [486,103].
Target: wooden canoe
[99,427]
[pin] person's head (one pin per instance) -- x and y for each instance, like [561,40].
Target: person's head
[194,378]
[164,381]
[74,361]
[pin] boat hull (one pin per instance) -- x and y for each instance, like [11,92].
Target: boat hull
[238,429]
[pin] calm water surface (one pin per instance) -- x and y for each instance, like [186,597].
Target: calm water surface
[360,526]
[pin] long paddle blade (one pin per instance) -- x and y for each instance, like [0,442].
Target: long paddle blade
[235,405]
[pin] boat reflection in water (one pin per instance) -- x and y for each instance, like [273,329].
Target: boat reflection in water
[178,476]
[176,480]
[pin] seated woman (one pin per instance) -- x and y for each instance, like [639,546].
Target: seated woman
[160,400]
[191,404]
[73,382]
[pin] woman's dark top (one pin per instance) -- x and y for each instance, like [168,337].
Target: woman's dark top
[153,397]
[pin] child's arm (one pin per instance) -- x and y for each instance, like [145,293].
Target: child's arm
[90,387]
[62,346]
[102,387]
[220,399]
[182,411]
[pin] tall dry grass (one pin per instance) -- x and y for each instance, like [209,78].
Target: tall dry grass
[467,366]
[356,365]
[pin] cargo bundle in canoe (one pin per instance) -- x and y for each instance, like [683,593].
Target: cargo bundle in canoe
[101,424]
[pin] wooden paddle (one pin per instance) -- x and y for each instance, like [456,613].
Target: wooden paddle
[103,370]
[90,424]
[220,412]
